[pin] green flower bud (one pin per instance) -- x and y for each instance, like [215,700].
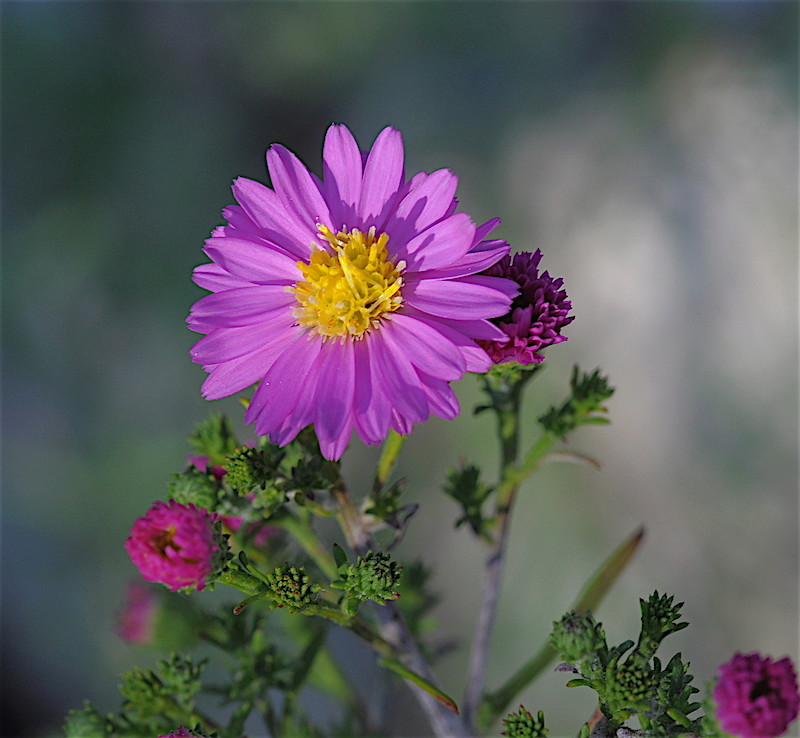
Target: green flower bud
[524,725]
[372,577]
[291,588]
[659,619]
[577,637]
[248,468]
[630,687]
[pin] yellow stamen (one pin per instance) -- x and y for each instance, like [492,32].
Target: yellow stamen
[349,290]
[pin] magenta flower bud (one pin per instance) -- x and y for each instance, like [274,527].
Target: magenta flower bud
[756,697]
[175,545]
[136,619]
[536,316]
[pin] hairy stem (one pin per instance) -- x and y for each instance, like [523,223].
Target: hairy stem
[506,402]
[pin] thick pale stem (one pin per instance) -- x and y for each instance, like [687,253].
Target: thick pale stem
[445,723]
[507,407]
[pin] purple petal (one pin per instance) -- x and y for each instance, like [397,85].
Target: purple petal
[426,348]
[257,263]
[233,376]
[441,398]
[476,260]
[371,407]
[461,333]
[399,380]
[441,244]
[242,306]
[214,278]
[283,383]
[383,177]
[460,299]
[224,344]
[334,398]
[486,228]
[296,188]
[263,206]
[342,172]
[427,201]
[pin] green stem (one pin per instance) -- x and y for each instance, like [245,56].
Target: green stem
[506,402]
[389,455]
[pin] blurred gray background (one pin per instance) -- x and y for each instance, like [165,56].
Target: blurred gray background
[650,149]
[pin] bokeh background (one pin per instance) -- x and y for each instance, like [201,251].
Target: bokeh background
[650,149]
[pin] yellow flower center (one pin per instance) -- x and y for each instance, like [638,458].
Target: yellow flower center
[349,290]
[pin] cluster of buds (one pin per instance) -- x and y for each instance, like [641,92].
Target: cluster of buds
[374,577]
[523,724]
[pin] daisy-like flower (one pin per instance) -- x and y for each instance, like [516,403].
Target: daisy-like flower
[537,314]
[755,696]
[353,300]
[175,545]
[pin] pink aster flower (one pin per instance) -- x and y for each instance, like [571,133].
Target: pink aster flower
[756,697]
[181,732]
[537,314]
[353,300]
[175,545]
[136,619]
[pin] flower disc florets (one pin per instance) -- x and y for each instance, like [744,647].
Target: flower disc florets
[346,292]
[176,545]
[755,696]
[537,314]
[354,301]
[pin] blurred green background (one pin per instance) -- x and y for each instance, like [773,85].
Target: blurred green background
[648,148]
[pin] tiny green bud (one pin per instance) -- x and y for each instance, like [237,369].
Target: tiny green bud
[247,468]
[373,577]
[291,588]
[577,637]
[630,687]
[524,725]
[659,619]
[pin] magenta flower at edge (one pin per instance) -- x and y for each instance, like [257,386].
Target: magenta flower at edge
[179,733]
[175,545]
[537,314]
[136,619]
[755,696]
[353,300]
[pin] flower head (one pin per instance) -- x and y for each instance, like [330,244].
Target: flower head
[175,545]
[755,696]
[353,300]
[537,314]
